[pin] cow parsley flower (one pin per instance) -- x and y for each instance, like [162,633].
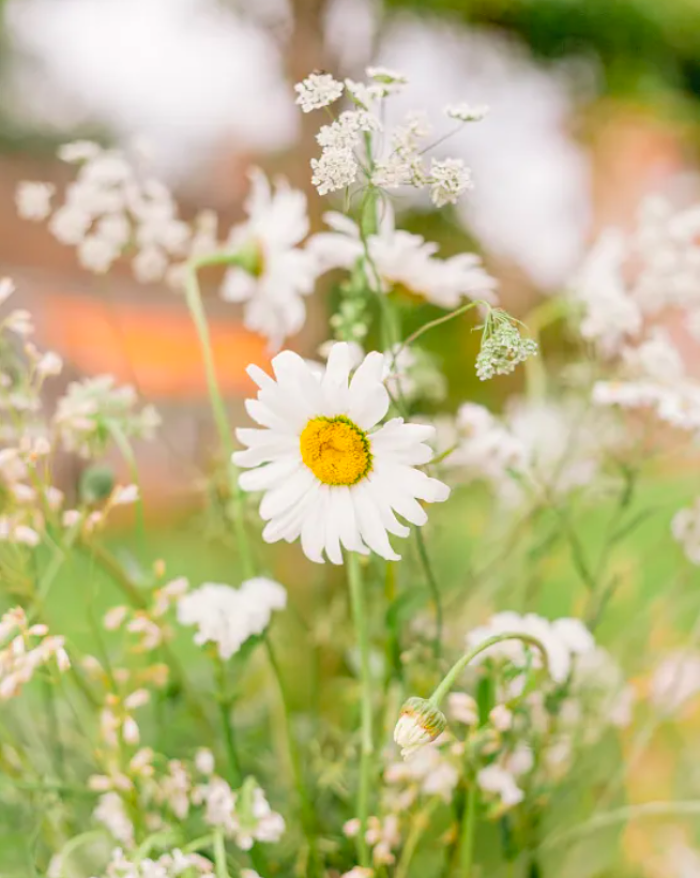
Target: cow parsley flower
[502,347]
[449,179]
[229,616]
[318,90]
[336,169]
[274,274]
[467,112]
[329,477]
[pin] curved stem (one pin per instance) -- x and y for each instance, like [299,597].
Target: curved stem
[461,663]
[359,611]
[414,336]
[620,815]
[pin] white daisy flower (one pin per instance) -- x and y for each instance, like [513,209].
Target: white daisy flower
[280,273]
[329,478]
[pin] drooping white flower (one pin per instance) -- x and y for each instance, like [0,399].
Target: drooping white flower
[502,347]
[33,200]
[404,260]
[419,723]
[318,90]
[228,616]
[329,478]
[278,273]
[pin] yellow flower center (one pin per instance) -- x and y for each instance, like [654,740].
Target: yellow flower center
[335,450]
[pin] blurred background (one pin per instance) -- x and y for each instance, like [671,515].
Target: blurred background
[593,105]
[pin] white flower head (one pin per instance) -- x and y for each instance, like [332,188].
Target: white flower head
[419,723]
[500,782]
[502,347]
[229,616]
[449,179]
[467,112]
[276,273]
[33,200]
[336,169]
[329,477]
[318,90]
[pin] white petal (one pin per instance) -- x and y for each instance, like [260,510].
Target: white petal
[344,513]
[264,477]
[383,507]
[313,529]
[370,524]
[369,400]
[287,493]
[332,525]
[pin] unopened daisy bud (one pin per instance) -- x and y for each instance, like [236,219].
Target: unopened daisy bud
[420,723]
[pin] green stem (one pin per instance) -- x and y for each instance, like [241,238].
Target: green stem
[308,818]
[467,831]
[194,303]
[414,336]
[461,663]
[220,867]
[434,591]
[359,611]
[420,824]
[122,442]
[236,775]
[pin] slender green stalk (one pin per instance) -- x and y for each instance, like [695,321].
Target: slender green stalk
[620,815]
[194,303]
[220,867]
[127,452]
[434,592]
[432,324]
[420,824]
[359,612]
[451,676]
[225,702]
[467,832]
[308,818]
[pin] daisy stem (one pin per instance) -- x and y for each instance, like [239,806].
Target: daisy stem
[194,303]
[451,676]
[359,611]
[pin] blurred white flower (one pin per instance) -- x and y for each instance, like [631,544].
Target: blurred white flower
[402,259]
[33,200]
[675,681]
[467,112]
[278,273]
[111,812]
[449,179]
[228,616]
[685,528]
[498,781]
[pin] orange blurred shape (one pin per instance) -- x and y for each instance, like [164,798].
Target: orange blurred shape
[152,345]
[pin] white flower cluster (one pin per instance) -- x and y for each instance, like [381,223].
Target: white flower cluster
[113,207]
[83,416]
[228,616]
[25,648]
[502,347]
[383,835]
[403,260]
[349,148]
[273,274]
[244,816]
[170,865]
[675,681]
[625,285]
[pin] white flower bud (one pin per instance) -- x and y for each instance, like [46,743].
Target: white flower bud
[420,723]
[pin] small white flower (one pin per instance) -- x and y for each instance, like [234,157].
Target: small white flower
[33,200]
[123,495]
[467,112]
[502,348]
[495,779]
[49,364]
[501,718]
[318,90]
[204,761]
[463,708]
[228,616]
[79,151]
[19,322]
[449,179]
[336,169]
